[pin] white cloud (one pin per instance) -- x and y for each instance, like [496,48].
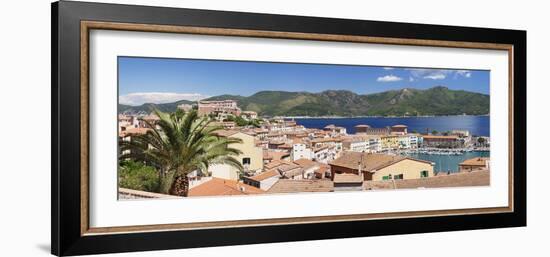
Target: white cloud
[438,74]
[411,79]
[463,73]
[435,76]
[388,78]
[388,68]
[157,97]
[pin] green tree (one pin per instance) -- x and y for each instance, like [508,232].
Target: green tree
[434,132]
[183,143]
[136,175]
[481,141]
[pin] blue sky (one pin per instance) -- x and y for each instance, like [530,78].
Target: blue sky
[161,80]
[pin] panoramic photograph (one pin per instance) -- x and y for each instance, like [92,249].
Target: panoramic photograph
[217,128]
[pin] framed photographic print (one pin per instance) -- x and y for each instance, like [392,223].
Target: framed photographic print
[178,128]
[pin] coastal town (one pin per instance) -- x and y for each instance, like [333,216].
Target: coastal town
[280,156]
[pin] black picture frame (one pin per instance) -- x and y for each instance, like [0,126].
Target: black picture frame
[66,162]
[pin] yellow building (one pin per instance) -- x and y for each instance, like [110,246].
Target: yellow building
[377,167]
[251,157]
[407,168]
[389,142]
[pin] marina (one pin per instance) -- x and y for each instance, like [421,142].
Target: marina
[446,162]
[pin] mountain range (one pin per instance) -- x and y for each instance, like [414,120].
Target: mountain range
[434,101]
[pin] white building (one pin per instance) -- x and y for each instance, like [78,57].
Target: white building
[324,154]
[404,142]
[413,139]
[356,145]
[300,151]
[374,144]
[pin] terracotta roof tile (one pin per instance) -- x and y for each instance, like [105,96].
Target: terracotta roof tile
[297,186]
[347,178]
[369,162]
[219,187]
[265,175]
[305,163]
[226,133]
[462,179]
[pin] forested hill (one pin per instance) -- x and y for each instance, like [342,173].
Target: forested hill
[434,101]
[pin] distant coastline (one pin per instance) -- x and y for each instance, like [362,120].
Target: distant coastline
[477,124]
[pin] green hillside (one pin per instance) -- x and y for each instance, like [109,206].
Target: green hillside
[434,101]
[146,108]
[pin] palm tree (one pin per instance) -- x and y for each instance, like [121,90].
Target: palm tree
[178,144]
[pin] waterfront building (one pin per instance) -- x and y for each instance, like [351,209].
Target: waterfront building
[378,167]
[441,141]
[375,144]
[251,157]
[463,135]
[215,107]
[398,130]
[474,164]
[301,151]
[389,142]
[413,140]
[335,130]
[404,141]
[373,131]
[361,128]
[460,133]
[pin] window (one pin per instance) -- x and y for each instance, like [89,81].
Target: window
[246,161]
[424,174]
[399,176]
[388,177]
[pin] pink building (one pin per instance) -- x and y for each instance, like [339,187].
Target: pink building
[222,106]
